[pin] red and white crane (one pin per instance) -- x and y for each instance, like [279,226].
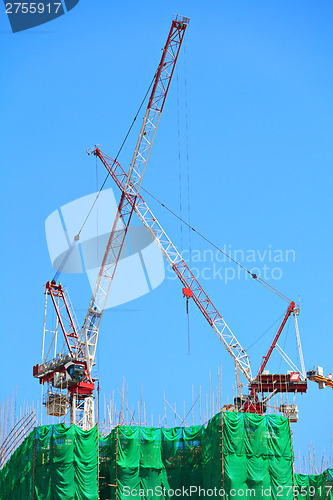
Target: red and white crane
[293,382]
[72,369]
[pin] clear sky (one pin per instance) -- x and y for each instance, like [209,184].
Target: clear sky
[259,115]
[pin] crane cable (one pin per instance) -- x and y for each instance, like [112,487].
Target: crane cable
[187,161]
[260,336]
[179,165]
[253,275]
[180,189]
[188,186]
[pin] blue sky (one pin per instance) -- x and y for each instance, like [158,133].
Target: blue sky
[259,106]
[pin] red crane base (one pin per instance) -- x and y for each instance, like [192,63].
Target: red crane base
[286,382]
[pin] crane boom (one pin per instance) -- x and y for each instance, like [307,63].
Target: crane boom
[73,371]
[290,382]
[131,186]
[191,285]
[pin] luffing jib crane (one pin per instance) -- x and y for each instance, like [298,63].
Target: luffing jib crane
[294,381]
[72,369]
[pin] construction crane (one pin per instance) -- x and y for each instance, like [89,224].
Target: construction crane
[317,375]
[72,370]
[294,381]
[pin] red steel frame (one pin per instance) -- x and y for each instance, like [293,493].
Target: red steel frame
[277,382]
[288,313]
[163,76]
[72,339]
[71,336]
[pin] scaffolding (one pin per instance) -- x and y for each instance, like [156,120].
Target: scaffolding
[233,456]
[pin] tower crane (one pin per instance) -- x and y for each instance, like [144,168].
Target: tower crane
[293,382]
[317,375]
[72,370]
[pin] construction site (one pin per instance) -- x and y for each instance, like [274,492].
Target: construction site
[80,441]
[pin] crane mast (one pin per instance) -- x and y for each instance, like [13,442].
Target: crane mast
[81,388]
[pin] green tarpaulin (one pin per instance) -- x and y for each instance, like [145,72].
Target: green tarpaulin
[239,455]
[314,487]
[54,462]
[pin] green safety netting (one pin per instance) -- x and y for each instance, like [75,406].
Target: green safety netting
[314,487]
[235,456]
[54,462]
[257,455]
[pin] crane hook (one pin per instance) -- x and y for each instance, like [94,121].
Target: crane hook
[187,292]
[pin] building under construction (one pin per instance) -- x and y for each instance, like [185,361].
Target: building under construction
[236,455]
